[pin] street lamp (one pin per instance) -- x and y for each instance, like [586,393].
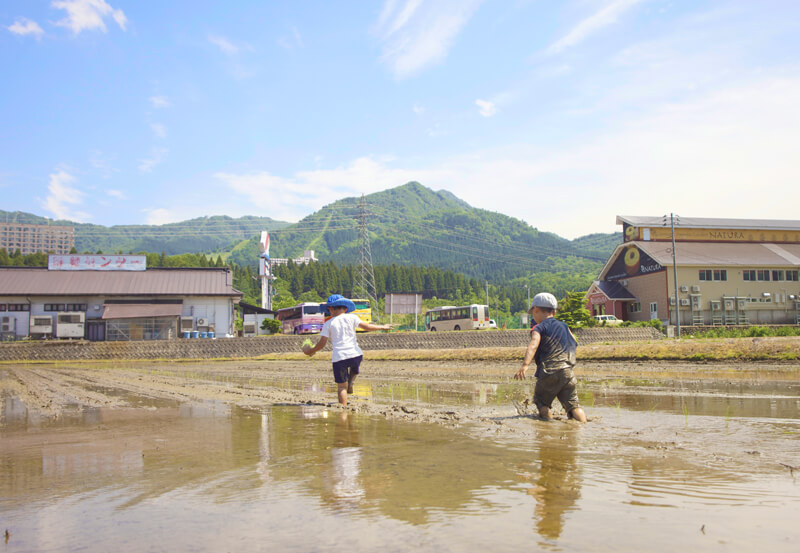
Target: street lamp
[672,219]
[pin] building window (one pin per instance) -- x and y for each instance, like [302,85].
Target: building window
[715,274]
[2,307]
[635,307]
[749,275]
[19,307]
[777,276]
[76,307]
[762,275]
[54,307]
[653,308]
[792,275]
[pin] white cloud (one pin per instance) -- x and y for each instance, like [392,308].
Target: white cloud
[62,195]
[159,130]
[118,194]
[160,216]
[418,109]
[293,41]
[23,26]
[88,15]
[291,198]
[223,44]
[729,153]
[487,108]
[157,155]
[159,101]
[606,16]
[419,33]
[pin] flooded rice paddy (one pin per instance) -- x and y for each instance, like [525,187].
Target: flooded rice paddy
[254,457]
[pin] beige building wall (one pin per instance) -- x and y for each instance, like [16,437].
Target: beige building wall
[776,308]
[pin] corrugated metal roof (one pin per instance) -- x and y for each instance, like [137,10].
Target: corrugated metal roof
[716,253]
[137,310]
[39,281]
[710,223]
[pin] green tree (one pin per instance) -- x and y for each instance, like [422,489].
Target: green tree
[572,310]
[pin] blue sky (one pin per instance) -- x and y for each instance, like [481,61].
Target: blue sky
[562,114]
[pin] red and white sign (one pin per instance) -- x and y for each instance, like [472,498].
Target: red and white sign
[97,262]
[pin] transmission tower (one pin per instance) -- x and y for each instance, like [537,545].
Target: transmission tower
[364,285]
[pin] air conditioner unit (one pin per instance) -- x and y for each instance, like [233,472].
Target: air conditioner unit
[684,288]
[715,306]
[623,282]
[249,329]
[729,304]
[41,324]
[672,301]
[695,288]
[187,323]
[9,324]
[684,301]
[741,304]
[202,321]
[69,325]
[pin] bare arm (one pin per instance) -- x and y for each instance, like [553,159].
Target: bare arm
[529,355]
[369,326]
[321,344]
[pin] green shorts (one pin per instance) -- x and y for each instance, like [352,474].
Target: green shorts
[560,384]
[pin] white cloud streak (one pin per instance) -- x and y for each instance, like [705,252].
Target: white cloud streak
[225,46]
[710,156]
[88,15]
[606,16]
[159,130]
[159,216]
[23,27]
[160,101]
[62,195]
[420,33]
[486,108]
[157,156]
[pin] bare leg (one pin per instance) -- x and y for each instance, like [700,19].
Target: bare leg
[342,392]
[578,414]
[544,413]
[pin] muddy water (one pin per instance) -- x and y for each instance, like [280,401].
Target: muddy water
[662,466]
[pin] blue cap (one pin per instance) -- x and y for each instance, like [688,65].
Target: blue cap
[338,300]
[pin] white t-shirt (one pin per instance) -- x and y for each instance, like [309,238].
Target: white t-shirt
[341,332]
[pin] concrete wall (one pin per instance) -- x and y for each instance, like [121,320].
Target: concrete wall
[253,347]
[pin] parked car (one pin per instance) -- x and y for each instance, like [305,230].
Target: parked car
[607,319]
[492,323]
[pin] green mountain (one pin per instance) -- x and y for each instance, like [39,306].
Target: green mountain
[414,225]
[407,225]
[204,234]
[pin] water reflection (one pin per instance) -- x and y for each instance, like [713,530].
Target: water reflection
[557,486]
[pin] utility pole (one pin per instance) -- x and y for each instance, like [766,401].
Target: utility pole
[365,280]
[672,218]
[487,293]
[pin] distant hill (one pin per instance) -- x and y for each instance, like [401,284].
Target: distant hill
[408,225]
[204,234]
[414,225]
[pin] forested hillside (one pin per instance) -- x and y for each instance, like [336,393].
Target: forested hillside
[409,225]
[204,234]
[413,225]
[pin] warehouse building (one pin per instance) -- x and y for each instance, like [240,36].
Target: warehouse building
[115,298]
[729,272]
